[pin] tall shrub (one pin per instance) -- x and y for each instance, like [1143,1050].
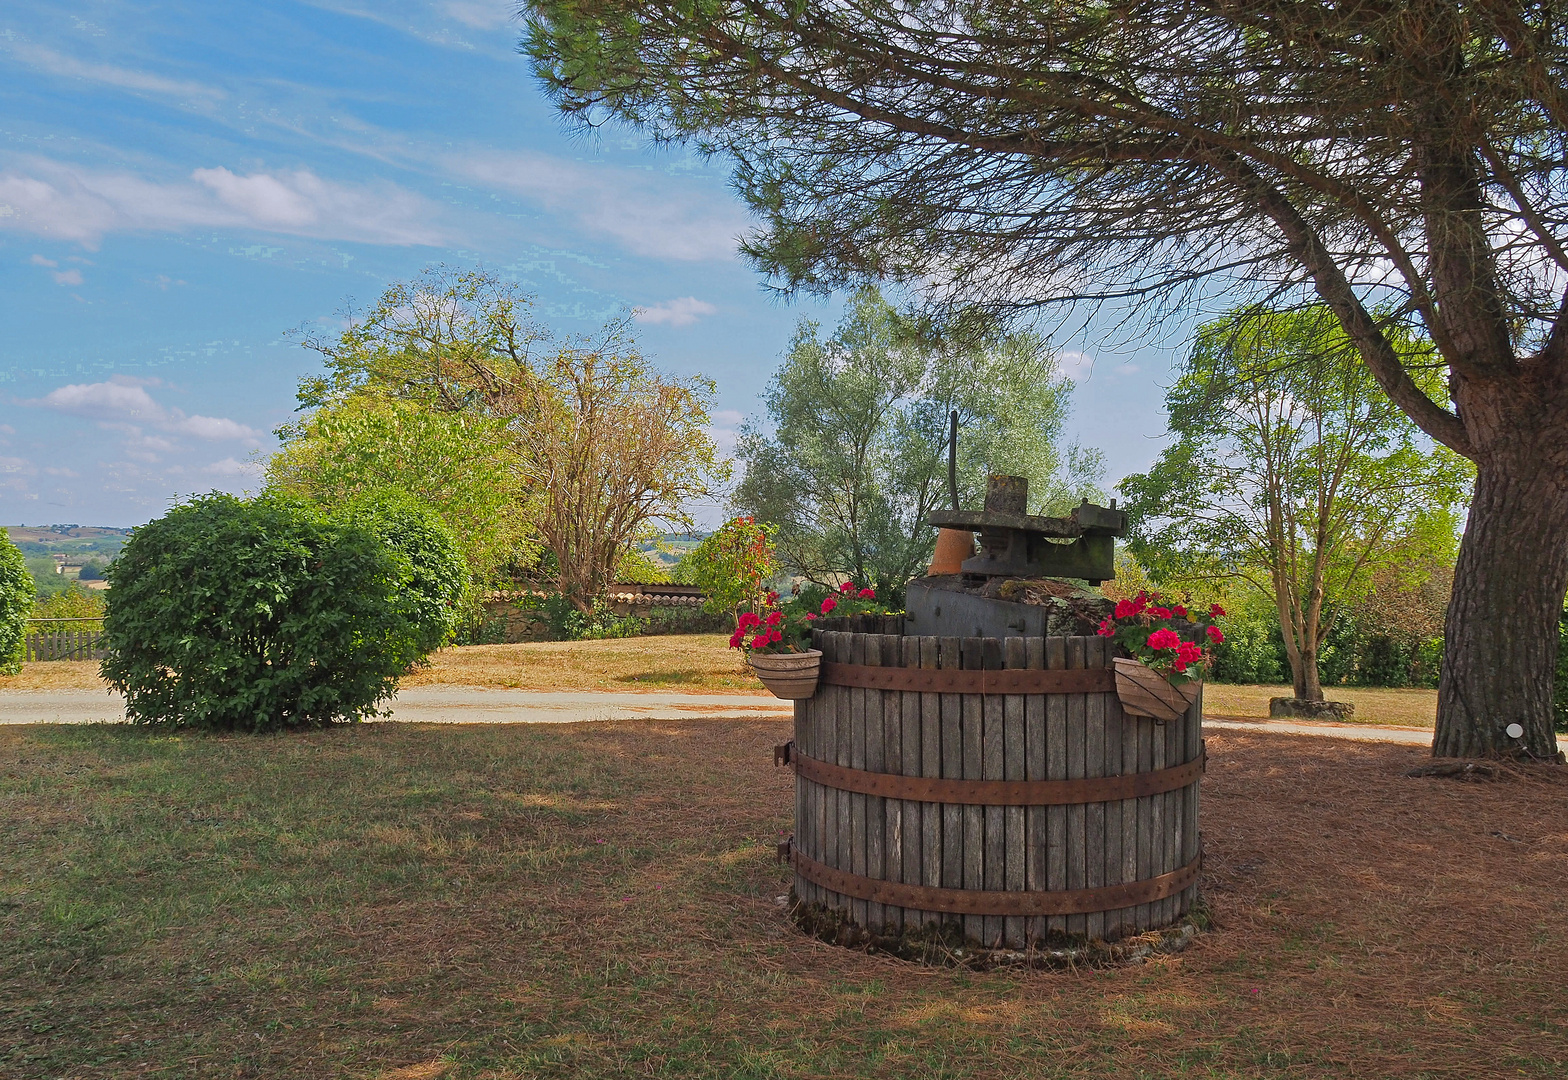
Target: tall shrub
[256,615]
[434,578]
[16,604]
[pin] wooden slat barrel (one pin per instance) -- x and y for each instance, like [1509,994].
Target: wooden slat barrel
[992,787]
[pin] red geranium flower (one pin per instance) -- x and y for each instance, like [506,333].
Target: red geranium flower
[1107,628]
[809,616]
[867,594]
[1164,638]
[1189,653]
[1160,613]
[775,636]
[736,638]
[759,641]
[1215,635]
[847,587]
[1126,609]
[828,605]
[748,620]
[1179,611]
[1216,612]
[775,617]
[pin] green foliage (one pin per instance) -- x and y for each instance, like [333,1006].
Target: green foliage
[435,580]
[597,444]
[256,615]
[641,568]
[47,579]
[732,565]
[1292,472]
[74,603]
[456,462]
[17,591]
[567,622]
[852,454]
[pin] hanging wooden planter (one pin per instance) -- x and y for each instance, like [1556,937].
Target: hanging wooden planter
[1145,692]
[790,676]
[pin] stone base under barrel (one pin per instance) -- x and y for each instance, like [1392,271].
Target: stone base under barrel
[992,787]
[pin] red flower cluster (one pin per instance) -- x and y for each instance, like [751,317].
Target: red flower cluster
[1135,625]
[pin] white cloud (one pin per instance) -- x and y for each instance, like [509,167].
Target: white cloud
[1076,366]
[724,429]
[123,404]
[39,260]
[229,466]
[67,277]
[479,14]
[213,427]
[49,198]
[54,63]
[682,311]
[647,213]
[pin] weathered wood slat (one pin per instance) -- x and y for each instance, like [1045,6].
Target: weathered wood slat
[892,842]
[1013,765]
[1056,769]
[930,765]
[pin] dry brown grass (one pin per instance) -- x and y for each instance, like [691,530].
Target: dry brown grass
[1374,705]
[55,675]
[598,900]
[690,663]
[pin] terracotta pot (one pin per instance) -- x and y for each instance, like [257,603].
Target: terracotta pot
[953,546]
[790,676]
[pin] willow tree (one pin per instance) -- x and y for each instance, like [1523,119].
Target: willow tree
[1007,154]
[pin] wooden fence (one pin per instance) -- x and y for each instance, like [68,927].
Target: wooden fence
[65,639]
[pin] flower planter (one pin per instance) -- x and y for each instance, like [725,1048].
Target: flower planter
[1145,692]
[791,676]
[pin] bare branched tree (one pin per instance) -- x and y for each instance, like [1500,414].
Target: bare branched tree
[1005,154]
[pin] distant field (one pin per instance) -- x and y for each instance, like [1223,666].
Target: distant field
[67,540]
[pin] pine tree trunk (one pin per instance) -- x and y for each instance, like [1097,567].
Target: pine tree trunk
[1500,643]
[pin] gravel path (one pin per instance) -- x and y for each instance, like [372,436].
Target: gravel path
[472,705]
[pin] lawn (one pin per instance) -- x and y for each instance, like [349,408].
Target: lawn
[691,663]
[1374,705]
[600,900]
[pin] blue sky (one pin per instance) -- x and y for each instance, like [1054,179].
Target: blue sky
[183,183]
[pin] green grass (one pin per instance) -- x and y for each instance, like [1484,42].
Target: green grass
[408,901]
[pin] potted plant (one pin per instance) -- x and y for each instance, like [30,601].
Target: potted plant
[1167,646]
[777,639]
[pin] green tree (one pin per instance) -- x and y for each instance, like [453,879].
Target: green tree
[1014,153]
[255,615]
[17,591]
[456,462]
[851,455]
[733,565]
[1291,471]
[604,445]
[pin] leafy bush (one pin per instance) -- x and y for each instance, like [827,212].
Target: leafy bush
[74,603]
[566,623]
[16,605]
[435,581]
[732,566]
[257,615]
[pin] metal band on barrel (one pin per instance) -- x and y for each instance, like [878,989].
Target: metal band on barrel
[986,902]
[996,792]
[972,681]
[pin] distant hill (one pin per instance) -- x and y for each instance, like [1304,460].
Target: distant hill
[76,541]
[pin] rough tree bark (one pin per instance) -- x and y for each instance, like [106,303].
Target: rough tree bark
[1500,644]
